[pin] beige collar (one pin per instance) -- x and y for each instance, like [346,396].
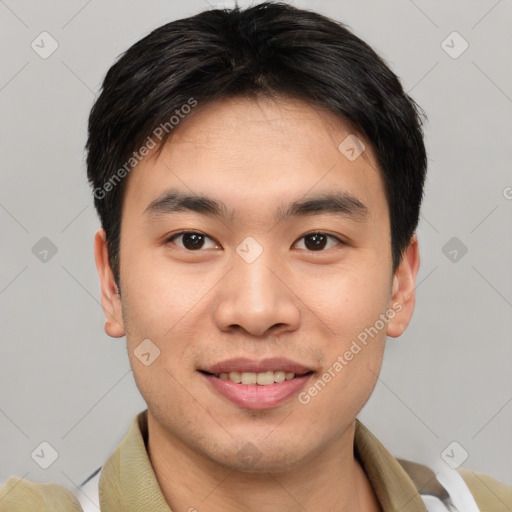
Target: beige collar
[128,482]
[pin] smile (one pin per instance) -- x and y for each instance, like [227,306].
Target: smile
[261,379]
[256,391]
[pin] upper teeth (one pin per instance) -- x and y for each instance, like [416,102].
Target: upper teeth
[263,378]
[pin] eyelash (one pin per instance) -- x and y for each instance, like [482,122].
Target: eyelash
[176,235]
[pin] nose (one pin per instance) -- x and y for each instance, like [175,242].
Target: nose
[257,297]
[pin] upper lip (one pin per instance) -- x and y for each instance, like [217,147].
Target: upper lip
[243,364]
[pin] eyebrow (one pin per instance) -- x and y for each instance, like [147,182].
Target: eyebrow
[340,203]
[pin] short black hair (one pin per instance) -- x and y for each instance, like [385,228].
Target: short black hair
[270,49]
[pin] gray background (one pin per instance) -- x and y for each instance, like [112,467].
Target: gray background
[448,378]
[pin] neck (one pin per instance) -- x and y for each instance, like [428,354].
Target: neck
[331,480]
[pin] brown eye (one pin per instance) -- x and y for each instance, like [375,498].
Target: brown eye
[191,240]
[318,241]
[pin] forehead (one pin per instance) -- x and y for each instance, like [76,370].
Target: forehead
[250,152]
[237,124]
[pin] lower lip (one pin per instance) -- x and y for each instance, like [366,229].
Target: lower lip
[254,396]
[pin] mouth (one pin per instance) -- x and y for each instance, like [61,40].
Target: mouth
[260,378]
[257,385]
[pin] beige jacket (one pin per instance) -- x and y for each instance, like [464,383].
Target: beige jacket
[128,483]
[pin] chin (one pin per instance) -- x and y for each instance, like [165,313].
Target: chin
[254,458]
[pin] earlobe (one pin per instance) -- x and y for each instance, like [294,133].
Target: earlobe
[403,296]
[110,298]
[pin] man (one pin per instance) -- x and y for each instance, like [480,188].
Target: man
[258,175]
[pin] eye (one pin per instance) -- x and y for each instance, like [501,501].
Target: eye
[191,240]
[318,241]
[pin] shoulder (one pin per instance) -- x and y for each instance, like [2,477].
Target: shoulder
[22,495]
[490,494]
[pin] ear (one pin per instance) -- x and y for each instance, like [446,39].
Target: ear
[403,297]
[110,298]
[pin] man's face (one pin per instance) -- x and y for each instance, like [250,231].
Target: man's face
[255,290]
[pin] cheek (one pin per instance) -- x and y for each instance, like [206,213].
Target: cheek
[349,299]
[341,398]
[161,303]
[160,293]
